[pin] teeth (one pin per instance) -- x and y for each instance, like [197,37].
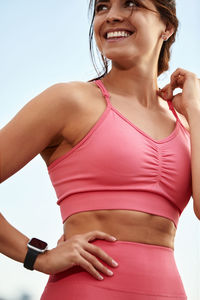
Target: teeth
[118,34]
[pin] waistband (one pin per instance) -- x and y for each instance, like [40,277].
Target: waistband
[131,244]
[129,200]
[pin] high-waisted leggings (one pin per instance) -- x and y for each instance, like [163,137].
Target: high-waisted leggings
[145,272]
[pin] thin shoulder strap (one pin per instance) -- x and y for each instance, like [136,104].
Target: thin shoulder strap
[171,107]
[105,93]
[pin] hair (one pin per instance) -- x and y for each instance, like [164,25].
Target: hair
[167,11]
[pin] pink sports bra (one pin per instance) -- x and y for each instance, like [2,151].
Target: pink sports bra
[118,166]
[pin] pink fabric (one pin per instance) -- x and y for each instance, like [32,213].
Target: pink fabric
[118,166]
[145,272]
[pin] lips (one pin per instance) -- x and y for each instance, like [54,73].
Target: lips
[118,33]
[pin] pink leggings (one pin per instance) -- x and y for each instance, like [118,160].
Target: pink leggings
[145,272]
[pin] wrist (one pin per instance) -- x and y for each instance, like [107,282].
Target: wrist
[35,247]
[41,263]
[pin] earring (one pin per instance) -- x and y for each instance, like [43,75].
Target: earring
[164,37]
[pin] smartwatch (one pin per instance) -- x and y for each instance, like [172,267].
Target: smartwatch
[35,247]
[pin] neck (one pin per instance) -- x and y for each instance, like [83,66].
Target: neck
[136,83]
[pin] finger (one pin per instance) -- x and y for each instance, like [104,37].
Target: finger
[177,81]
[101,254]
[92,235]
[179,76]
[166,92]
[178,73]
[95,262]
[164,88]
[89,268]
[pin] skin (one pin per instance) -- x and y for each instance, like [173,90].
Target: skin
[132,84]
[136,57]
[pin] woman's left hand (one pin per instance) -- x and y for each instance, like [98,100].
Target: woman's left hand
[189,99]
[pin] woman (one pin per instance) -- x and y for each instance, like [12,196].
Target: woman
[123,162]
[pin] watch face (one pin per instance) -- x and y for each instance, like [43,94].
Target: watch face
[38,244]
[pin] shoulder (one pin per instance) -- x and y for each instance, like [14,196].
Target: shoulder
[73,92]
[77,100]
[73,88]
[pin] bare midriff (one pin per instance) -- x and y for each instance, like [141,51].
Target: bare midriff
[125,225]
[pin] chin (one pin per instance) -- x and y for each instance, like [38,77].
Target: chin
[120,53]
[121,57]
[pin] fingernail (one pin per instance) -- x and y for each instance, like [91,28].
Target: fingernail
[100,277]
[113,238]
[114,263]
[110,272]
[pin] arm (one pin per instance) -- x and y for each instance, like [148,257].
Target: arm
[188,104]
[12,242]
[194,122]
[38,123]
[193,119]
[66,255]
[33,128]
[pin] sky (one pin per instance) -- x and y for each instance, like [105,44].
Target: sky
[43,43]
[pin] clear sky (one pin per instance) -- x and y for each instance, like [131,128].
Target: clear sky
[42,43]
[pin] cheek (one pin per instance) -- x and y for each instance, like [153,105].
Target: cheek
[98,42]
[149,30]
[97,36]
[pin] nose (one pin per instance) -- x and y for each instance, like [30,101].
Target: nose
[114,15]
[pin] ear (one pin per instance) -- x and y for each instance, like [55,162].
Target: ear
[169,29]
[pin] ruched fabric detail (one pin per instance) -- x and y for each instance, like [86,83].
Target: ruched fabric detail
[118,166]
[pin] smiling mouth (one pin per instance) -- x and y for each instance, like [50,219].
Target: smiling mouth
[118,35]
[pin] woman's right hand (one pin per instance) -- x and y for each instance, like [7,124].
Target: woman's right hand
[77,251]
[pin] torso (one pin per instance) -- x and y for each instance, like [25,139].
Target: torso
[123,224]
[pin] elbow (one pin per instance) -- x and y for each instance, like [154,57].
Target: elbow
[196,210]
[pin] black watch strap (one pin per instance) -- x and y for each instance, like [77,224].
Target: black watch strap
[30,258]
